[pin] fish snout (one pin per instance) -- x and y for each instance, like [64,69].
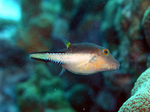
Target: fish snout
[116,65]
[112,64]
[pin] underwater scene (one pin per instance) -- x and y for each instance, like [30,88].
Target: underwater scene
[74,55]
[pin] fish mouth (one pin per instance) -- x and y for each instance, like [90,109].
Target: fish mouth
[115,66]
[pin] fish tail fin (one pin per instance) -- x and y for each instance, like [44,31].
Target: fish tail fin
[45,56]
[39,56]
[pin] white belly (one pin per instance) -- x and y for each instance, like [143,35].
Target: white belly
[78,63]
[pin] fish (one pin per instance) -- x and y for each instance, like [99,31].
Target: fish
[80,58]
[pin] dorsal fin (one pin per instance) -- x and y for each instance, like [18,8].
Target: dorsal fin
[66,42]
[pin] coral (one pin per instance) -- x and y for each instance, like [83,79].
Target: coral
[143,5]
[148,62]
[60,28]
[106,101]
[146,24]
[116,25]
[43,91]
[123,25]
[35,32]
[119,81]
[60,110]
[51,7]
[67,5]
[37,36]
[140,95]
[10,54]
[81,97]
[30,9]
[85,7]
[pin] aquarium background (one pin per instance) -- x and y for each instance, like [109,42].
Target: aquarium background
[122,26]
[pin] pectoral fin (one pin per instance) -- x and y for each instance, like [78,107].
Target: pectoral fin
[92,59]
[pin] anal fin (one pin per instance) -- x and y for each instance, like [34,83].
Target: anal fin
[62,71]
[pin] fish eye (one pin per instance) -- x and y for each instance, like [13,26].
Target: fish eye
[105,52]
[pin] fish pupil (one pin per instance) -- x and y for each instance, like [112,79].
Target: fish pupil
[105,51]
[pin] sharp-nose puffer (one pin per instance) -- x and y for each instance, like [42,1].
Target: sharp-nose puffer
[80,58]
